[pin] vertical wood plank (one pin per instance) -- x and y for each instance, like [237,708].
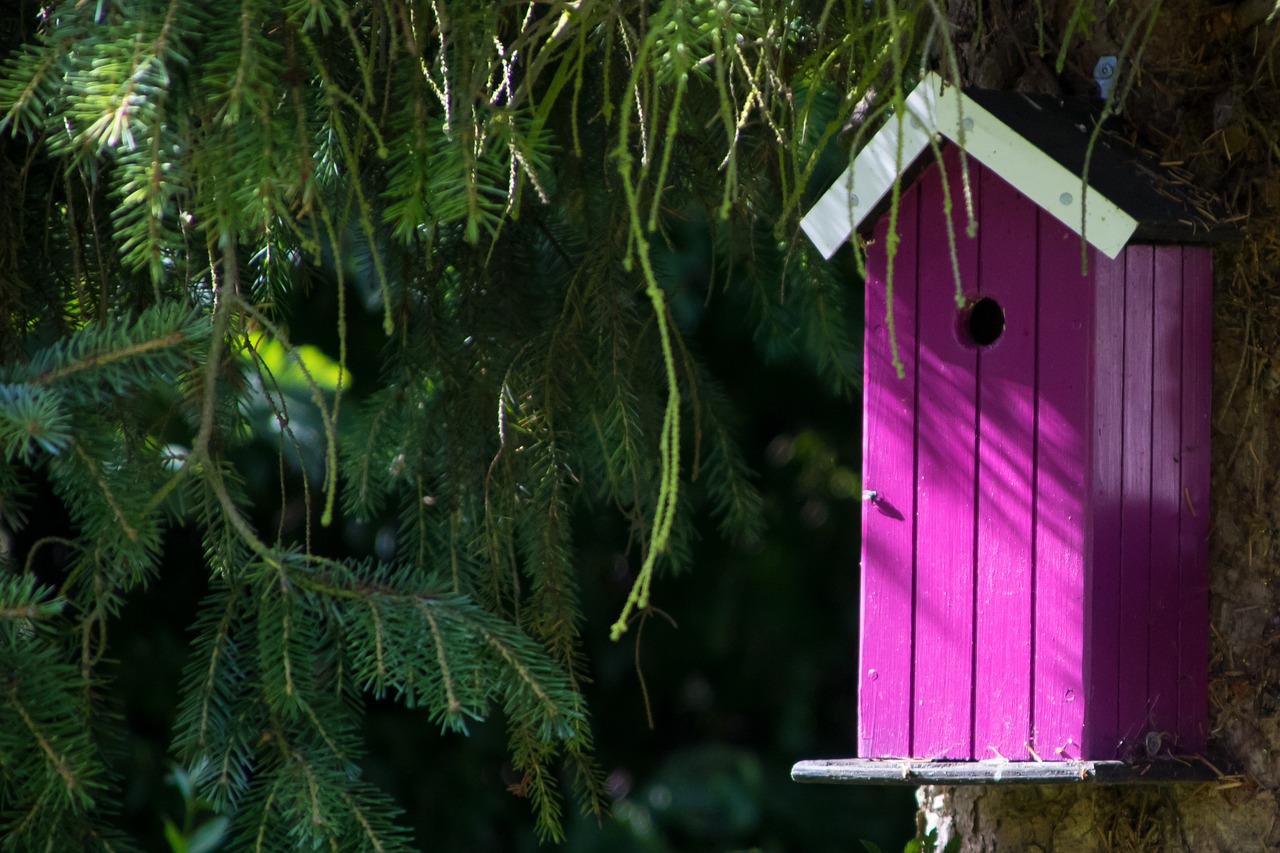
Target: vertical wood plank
[1006,445]
[1135,511]
[1193,568]
[1102,579]
[943,688]
[1064,341]
[888,464]
[1166,439]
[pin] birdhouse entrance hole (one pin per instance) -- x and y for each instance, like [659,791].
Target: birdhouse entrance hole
[982,322]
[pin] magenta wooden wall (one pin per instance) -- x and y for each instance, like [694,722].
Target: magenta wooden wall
[1034,566]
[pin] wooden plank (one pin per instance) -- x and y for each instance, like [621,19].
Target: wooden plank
[888,460]
[1193,562]
[859,191]
[934,108]
[1006,375]
[1034,173]
[1135,511]
[858,771]
[1064,340]
[1103,518]
[946,418]
[1166,439]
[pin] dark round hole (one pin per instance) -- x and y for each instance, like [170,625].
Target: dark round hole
[985,321]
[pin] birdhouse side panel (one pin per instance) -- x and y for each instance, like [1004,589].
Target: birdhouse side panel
[1146,634]
[1006,406]
[945,488]
[1064,340]
[888,510]
[1193,509]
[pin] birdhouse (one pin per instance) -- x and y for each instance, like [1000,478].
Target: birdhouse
[1035,437]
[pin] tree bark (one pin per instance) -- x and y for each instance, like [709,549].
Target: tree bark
[1073,819]
[1205,94]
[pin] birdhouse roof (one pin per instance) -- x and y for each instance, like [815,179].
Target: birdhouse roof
[1041,148]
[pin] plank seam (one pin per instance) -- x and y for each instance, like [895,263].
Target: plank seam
[1035,495]
[977,500]
[915,485]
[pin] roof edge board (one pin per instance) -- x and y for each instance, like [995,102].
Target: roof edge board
[1033,173]
[933,108]
[891,151]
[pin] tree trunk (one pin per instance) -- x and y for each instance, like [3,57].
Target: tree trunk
[1204,92]
[1067,819]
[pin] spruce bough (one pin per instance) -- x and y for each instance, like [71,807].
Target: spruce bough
[499,184]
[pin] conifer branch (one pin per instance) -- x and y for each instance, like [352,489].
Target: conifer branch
[446,676]
[513,661]
[28,612]
[221,322]
[232,513]
[93,360]
[220,637]
[130,381]
[370,835]
[266,814]
[338,752]
[328,417]
[669,455]
[103,486]
[378,643]
[54,759]
[42,542]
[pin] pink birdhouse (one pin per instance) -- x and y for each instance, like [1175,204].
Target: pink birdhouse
[1035,442]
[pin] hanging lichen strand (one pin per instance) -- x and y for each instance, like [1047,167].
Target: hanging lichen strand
[496,183]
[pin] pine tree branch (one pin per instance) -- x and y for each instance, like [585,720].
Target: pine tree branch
[42,542]
[264,821]
[378,646]
[278,140]
[446,674]
[513,661]
[55,760]
[223,288]
[94,360]
[108,495]
[328,417]
[370,835]
[211,677]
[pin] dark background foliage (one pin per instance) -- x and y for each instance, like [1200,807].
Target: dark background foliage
[749,667]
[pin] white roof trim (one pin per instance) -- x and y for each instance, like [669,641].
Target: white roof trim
[933,107]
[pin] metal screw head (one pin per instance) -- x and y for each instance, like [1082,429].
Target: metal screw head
[968,124]
[1104,73]
[1065,198]
[853,199]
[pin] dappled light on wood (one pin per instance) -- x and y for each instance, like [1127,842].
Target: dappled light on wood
[1041,594]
